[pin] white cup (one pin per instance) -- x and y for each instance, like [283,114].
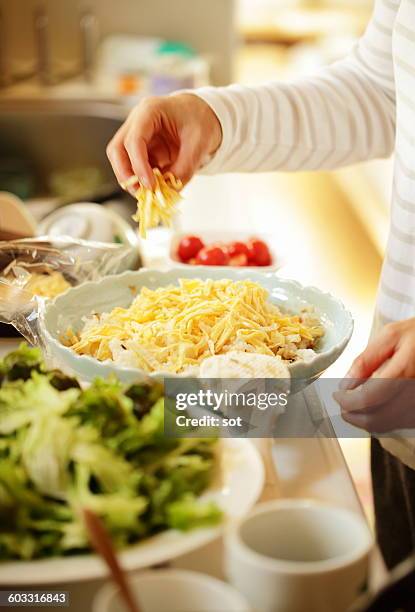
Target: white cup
[174,591]
[299,555]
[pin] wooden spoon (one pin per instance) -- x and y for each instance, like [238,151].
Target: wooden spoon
[101,541]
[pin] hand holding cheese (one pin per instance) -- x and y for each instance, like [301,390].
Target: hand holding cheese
[173,133]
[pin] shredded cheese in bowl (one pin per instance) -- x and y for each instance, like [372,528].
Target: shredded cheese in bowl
[158,205]
[174,329]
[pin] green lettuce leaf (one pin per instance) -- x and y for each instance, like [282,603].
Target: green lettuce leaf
[188,513]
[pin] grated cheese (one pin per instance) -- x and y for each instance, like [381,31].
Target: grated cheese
[174,328]
[45,285]
[158,205]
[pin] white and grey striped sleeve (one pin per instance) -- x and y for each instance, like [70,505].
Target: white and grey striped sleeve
[345,114]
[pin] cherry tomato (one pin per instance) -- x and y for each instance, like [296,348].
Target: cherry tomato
[239,260]
[212,256]
[238,248]
[189,247]
[259,254]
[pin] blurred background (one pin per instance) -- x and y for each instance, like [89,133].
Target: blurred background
[70,70]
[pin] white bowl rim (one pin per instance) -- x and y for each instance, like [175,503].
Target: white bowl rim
[106,594]
[163,274]
[234,540]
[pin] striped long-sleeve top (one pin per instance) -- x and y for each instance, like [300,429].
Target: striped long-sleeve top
[359,108]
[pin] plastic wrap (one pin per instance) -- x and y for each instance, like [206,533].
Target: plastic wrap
[36,269]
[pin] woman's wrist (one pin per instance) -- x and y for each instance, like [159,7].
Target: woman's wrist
[206,117]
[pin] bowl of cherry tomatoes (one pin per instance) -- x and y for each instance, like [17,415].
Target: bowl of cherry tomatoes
[224,249]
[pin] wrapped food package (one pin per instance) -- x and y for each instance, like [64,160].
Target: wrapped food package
[36,269]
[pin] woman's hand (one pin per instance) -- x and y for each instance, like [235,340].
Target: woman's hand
[393,348]
[378,393]
[173,133]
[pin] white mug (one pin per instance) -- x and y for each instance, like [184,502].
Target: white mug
[299,555]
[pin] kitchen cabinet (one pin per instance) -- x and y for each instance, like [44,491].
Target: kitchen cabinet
[208,26]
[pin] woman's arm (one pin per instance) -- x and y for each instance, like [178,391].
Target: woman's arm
[343,115]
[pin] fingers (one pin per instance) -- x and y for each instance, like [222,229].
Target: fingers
[372,423]
[397,365]
[376,353]
[374,392]
[140,133]
[362,421]
[388,417]
[118,157]
[136,148]
[363,407]
[128,150]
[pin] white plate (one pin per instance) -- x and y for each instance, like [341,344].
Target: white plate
[241,484]
[210,238]
[69,309]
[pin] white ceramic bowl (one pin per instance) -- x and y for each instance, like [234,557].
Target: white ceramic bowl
[68,310]
[210,238]
[174,591]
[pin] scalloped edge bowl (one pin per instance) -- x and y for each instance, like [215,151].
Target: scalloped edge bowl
[69,308]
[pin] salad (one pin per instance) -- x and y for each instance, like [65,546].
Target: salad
[63,449]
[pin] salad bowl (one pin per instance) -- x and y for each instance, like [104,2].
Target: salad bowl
[102,447]
[235,490]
